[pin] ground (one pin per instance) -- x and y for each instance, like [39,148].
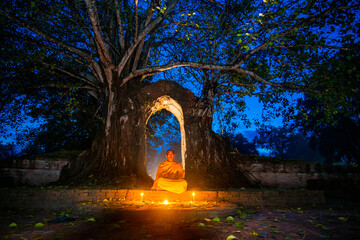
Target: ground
[121,220]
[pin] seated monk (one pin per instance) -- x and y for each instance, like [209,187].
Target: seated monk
[170,175]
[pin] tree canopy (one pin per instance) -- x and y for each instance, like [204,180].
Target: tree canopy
[73,57]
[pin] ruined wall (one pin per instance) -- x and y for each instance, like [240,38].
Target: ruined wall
[32,172]
[262,172]
[274,173]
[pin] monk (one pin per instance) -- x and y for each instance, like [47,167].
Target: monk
[170,175]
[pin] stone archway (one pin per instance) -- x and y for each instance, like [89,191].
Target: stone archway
[123,154]
[166,102]
[204,152]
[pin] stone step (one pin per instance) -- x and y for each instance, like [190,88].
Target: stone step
[57,198]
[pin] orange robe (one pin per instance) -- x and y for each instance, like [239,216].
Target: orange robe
[170,177]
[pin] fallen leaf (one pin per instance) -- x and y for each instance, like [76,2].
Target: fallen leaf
[343,219]
[38,225]
[229,219]
[231,237]
[201,225]
[13,225]
[90,220]
[216,219]
[312,221]
[319,225]
[207,219]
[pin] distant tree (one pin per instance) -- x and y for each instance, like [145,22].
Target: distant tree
[299,148]
[284,142]
[333,125]
[241,144]
[8,151]
[274,139]
[338,141]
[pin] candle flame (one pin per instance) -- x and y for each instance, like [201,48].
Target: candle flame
[141,194]
[193,194]
[166,202]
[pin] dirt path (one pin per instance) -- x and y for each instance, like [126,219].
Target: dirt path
[336,221]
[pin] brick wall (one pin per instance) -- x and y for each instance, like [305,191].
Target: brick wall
[262,172]
[292,174]
[32,172]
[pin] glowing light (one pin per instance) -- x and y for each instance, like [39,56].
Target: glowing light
[142,194]
[166,202]
[193,196]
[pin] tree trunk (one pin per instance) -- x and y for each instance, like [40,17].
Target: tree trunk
[120,154]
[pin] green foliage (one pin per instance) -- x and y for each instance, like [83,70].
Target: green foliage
[330,117]
[62,65]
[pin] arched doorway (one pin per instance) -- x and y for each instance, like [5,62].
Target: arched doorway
[162,133]
[169,104]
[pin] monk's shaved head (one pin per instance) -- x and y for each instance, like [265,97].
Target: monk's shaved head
[170,150]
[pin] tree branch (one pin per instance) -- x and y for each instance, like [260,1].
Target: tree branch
[136,20]
[46,37]
[287,31]
[142,36]
[121,30]
[99,41]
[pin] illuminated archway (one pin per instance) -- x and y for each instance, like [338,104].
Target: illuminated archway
[169,104]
